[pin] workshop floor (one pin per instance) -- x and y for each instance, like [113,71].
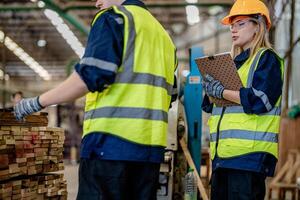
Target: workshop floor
[71,175]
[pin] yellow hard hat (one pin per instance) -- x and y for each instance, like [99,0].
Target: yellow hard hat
[248,7]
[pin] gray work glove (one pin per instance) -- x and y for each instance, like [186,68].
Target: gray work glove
[26,107]
[213,87]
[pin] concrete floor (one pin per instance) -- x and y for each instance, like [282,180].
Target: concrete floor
[71,175]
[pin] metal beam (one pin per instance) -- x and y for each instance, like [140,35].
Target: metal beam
[202,39]
[89,6]
[51,5]
[18,8]
[167,5]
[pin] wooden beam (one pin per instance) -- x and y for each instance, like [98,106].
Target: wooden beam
[192,165]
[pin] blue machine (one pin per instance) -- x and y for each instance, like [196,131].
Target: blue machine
[192,106]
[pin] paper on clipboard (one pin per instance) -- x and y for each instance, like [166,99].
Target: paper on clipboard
[222,68]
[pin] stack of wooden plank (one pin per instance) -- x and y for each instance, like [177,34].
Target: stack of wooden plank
[28,150]
[38,187]
[8,118]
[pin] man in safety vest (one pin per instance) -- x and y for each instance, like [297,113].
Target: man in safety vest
[127,75]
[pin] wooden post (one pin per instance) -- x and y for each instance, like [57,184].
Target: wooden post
[270,4]
[289,59]
[192,165]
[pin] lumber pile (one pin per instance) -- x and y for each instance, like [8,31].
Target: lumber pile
[28,152]
[46,186]
[8,118]
[285,180]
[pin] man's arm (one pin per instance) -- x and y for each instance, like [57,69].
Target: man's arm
[96,70]
[69,90]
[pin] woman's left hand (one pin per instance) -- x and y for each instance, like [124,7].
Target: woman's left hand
[213,87]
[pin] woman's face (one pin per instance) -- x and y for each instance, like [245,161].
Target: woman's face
[243,31]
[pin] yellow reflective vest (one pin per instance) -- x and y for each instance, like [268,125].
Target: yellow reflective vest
[135,107]
[234,133]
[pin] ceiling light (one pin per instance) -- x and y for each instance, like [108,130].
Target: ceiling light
[22,55]
[191,1]
[41,4]
[65,32]
[192,14]
[41,43]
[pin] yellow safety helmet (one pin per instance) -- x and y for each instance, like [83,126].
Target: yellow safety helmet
[248,7]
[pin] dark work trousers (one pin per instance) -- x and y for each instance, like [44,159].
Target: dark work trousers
[232,184]
[117,180]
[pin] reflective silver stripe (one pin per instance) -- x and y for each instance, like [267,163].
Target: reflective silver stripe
[253,68]
[239,109]
[230,109]
[130,48]
[122,112]
[128,76]
[101,64]
[148,79]
[119,20]
[246,135]
[263,97]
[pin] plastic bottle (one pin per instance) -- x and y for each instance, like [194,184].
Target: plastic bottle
[190,186]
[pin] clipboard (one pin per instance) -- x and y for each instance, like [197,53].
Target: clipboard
[222,68]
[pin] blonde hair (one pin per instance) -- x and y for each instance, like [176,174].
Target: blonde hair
[261,39]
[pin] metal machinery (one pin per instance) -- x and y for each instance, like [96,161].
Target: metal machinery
[185,115]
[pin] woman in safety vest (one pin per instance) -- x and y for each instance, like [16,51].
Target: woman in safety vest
[244,138]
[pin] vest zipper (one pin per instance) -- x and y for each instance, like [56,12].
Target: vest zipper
[218,130]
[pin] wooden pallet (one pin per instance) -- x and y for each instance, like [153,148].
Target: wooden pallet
[285,180]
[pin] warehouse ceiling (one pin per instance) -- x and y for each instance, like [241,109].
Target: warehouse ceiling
[25,22]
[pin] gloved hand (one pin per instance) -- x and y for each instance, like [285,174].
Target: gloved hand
[213,87]
[26,107]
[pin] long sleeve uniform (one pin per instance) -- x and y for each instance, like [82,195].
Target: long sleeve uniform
[259,99]
[105,48]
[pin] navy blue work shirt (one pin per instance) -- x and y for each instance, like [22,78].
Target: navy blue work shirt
[105,45]
[267,78]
